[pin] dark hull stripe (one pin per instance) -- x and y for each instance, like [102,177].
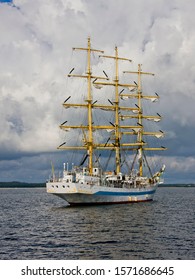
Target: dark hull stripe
[125,193]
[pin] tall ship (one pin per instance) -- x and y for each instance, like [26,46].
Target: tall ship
[125,139]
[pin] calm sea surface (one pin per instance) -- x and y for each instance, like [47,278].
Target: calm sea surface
[36,225]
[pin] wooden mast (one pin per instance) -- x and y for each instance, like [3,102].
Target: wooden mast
[140,117]
[89,142]
[89,103]
[116,84]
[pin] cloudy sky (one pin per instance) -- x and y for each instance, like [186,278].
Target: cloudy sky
[36,40]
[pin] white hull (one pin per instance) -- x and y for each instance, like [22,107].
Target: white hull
[83,194]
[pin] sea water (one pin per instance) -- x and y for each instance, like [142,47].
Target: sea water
[37,225]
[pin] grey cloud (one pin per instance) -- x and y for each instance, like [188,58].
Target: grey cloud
[35,53]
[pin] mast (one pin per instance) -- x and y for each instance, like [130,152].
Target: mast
[117,132]
[89,141]
[140,116]
[89,102]
[116,84]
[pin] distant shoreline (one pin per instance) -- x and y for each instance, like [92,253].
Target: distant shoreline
[177,185]
[16,184]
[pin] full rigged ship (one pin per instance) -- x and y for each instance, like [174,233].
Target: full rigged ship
[90,184]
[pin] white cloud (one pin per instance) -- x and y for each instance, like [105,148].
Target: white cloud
[36,38]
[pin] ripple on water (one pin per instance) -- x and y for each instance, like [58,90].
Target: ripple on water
[38,226]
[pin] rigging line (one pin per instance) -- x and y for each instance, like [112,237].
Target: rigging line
[85,156]
[133,163]
[151,159]
[125,161]
[147,164]
[98,160]
[69,66]
[66,87]
[155,164]
[76,153]
[107,162]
